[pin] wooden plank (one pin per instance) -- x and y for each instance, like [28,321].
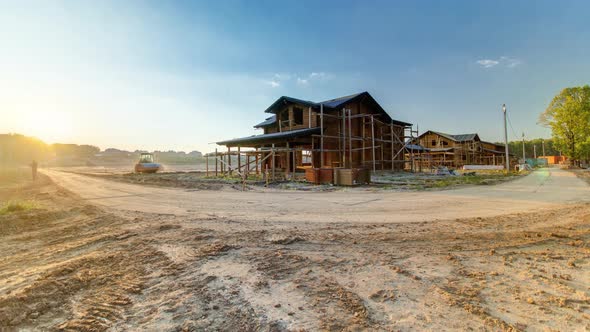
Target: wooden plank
[349,138]
[373,140]
[239,159]
[322,137]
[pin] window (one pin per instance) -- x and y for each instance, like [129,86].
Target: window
[297,116]
[433,143]
[445,143]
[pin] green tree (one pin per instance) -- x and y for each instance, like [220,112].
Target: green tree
[568,116]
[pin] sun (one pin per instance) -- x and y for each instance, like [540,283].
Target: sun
[50,126]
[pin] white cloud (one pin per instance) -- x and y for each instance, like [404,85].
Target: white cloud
[279,79]
[302,81]
[282,76]
[487,63]
[317,75]
[505,61]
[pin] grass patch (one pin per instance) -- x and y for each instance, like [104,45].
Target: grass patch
[11,176]
[486,179]
[429,181]
[17,206]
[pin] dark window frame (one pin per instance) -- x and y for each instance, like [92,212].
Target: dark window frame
[297,115]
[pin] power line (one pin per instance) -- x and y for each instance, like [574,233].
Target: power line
[512,128]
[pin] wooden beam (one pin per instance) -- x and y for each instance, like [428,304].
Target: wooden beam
[373,140]
[273,161]
[382,152]
[350,138]
[288,162]
[294,165]
[239,159]
[322,135]
[257,172]
[363,134]
[391,129]
[312,158]
[215,162]
[229,169]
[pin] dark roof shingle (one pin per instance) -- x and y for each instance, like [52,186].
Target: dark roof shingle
[269,137]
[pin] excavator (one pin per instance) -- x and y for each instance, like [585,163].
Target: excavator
[146,164]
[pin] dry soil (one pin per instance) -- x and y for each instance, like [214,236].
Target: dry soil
[81,263]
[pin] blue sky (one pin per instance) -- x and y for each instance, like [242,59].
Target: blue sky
[181,74]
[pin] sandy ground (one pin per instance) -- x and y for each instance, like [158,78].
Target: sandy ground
[113,256]
[545,189]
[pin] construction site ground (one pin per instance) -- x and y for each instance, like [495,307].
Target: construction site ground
[381,180]
[88,253]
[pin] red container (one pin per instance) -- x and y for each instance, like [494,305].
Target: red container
[326,175]
[312,175]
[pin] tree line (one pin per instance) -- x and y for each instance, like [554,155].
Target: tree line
[17,149]
[568,117]
[532,146]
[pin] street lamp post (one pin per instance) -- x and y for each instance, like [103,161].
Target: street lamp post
[506,139]
[523,150]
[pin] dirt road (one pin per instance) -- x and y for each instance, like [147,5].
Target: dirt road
[544,189]
[93,263]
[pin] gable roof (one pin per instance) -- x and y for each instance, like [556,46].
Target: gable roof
[337,102]
[269,121]
[466,137]
[331,104]
[455,138]
[285,100]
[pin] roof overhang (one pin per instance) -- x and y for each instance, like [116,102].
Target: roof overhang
[256,140]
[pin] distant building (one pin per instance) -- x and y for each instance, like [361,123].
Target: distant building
[441,149]
[554,160]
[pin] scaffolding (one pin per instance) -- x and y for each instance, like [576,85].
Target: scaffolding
[345,140]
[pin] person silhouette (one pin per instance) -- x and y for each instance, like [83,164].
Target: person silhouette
[34,166]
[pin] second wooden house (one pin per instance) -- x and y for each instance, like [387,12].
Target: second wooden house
[455,151]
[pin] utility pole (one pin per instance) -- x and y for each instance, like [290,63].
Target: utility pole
[543,143]
[506,139]
[534,151]
[523,150]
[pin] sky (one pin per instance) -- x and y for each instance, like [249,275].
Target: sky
[179,75]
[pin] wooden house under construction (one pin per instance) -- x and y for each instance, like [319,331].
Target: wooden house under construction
[352,132]
[439,149]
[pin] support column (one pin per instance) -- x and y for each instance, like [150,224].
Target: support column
[350,138]
[288,163]
[239,160]
[257,162]
[247,164]
[373,141]
[343,140]
[363,157]
[312,152]
[382,151]
[321,135]
[273,161]
[216,162]
[229,170]
[391,130]
[294,163]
